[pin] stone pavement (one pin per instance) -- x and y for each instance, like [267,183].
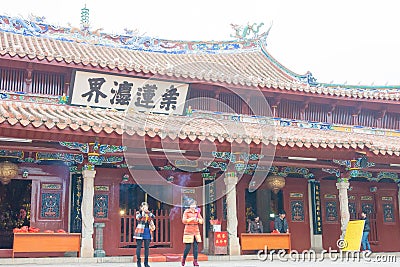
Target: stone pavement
[375,259]
[248,263]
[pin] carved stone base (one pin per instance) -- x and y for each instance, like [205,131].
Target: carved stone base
[87,250]
[99,253]
[234,247]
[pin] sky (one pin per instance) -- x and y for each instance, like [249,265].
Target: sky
[342,41]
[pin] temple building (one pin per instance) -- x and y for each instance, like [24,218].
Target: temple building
[92,124]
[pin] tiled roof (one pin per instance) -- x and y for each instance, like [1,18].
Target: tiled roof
[249,68]
[230,62]
[94,121]
[240,62]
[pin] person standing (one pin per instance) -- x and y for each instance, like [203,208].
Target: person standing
[191,234]
[280,223]
[23,218]
[256,226]
[364,240]
[144,223]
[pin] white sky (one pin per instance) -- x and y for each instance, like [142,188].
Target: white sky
[353,41]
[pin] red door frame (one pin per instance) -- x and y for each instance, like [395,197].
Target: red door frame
[295,197]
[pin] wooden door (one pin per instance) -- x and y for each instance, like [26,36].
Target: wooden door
[387,220]
[330,214]
[368,205]
[364,201]
[379,201]
[295,195]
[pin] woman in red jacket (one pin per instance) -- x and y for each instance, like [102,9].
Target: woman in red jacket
[191,234]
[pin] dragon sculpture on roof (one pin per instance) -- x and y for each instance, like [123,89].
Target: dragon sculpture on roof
[249,31]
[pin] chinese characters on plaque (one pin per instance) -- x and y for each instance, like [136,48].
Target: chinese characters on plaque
[221,239]
[120,92]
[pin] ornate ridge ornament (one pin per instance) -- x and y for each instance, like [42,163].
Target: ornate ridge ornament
[131,39]
[275,183]
[8,171]
[249,31]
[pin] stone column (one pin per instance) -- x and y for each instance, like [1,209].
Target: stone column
[232,222]
[99,252]
[87,250]
[343,185]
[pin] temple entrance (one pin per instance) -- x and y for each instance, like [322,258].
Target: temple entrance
[131,196]
[265,204]
[15,209]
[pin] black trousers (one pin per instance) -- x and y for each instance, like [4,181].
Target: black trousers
[195,250]
[146,249]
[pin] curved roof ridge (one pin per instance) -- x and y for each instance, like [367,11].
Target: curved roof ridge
[306,78]
[360,86]
[130,40]
[309,78]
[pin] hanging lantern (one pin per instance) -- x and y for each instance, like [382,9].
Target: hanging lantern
[8,171]
[275,183]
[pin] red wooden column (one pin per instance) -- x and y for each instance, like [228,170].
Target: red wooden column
[381,114]
[274,106]
[245,106]
[28,79]
[330,112]
[303,110]
[214,103]
[355,116]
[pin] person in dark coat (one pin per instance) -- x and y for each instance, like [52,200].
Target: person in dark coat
[256,226]
[280,223]
[364,241]
[23,218]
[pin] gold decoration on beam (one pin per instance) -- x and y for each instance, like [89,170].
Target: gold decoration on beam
[8,171]
[275,183]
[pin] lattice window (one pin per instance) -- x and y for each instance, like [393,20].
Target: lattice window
[289,109]
[316,112]
[297,210]
[342,115]
[388,214]
[45,83]
[12,80]
[331,211]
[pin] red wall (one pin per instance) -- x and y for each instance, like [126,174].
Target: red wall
[359,194]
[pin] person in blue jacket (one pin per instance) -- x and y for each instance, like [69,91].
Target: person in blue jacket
[364,241]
